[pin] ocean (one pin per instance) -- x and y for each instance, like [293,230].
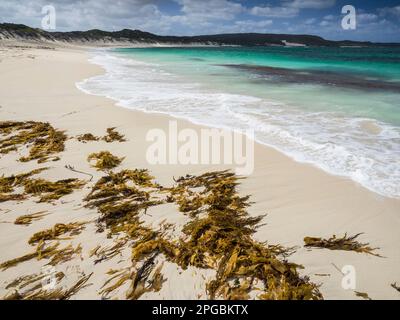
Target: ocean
[335,108]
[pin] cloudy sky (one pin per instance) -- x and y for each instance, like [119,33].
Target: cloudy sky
[376,20]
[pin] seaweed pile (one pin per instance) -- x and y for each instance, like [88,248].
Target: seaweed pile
[30,287]
[395,286]
[87,137]
[8,185]
[217,237]
[220,237]
[43,140]
[105,160]
[48,191]
[59,229]
[47,247]
[111,136]
[344,243]
[120,198]
[27,219]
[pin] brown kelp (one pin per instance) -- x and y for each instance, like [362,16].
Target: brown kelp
[218,236]
[87,137]
[37,292]
[105,160]
[113,135]
[120,199]
[9,183]
[27,219]
[59,229]
[48,191]
[51,252]
[344,243]
[395,286]
[120,196]
[108,252]
[43,140]
[363,295]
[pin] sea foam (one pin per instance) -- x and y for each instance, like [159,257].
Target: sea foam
[335,143]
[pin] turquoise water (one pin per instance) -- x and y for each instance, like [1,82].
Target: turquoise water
[336,108]
[204,65]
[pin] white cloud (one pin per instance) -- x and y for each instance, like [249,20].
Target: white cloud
[275,12]
[310,4]
[390,11]
[211,9]
[310,21]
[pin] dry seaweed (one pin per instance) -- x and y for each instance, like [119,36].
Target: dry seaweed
[395,286]
[49,191]
[50,252]
[109,252]
[26,220]
[119,196]
[55,294]
[345,243]
[7,184]
[113,135]
[58,230]
[43,140]
[32,280]
[87,137]
[105,160]
[218,236]
[362,295]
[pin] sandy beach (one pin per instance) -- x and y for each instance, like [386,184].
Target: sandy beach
[39,84]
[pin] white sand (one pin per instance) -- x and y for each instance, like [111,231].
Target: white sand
[38,84]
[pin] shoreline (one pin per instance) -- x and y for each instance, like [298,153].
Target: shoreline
[292,193]
[345,161]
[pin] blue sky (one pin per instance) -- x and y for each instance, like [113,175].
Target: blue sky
[376,20]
